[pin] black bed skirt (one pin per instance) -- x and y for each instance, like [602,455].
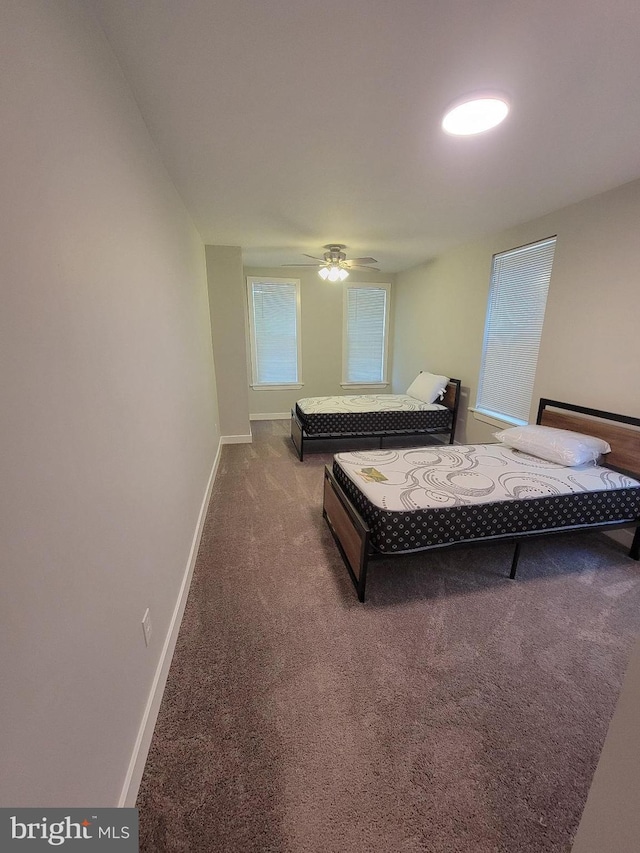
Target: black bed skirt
[394,532]
[372,423]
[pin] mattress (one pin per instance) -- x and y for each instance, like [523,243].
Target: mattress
[370,414]
[424,497]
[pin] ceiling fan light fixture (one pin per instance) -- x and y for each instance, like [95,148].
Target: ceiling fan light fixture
[334,265]
[334,274]
[475,114]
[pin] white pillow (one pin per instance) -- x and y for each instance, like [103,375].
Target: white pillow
[555,445]
[427,387]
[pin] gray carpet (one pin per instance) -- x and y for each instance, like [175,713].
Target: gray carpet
[455,710]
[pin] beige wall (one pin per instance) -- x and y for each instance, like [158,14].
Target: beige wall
[611,819]
[227,303]
[590,349]
[439,323]
[108,416]
[321,322]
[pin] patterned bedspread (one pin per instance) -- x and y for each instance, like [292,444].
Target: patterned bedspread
[370,414]
[364,403]
[435,495]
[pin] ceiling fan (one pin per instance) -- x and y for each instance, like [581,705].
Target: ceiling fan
[334,265]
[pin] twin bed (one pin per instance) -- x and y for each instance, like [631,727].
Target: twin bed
[381,503]
[432,414]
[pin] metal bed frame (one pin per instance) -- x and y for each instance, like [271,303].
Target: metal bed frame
[451,400]
[352,534]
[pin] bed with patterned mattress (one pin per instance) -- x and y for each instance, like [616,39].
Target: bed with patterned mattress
[382,503]
[374,416]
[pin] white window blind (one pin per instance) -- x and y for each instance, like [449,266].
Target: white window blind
[515,313]
[274,324]
[365,346]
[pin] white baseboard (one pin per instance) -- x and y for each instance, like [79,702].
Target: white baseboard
[236,439]
[271,416]
[138,760]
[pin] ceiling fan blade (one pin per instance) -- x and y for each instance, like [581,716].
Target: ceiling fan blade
[359,267]
[313,257]
[301,265]
[361,261]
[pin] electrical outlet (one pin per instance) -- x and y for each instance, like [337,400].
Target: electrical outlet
[146,627]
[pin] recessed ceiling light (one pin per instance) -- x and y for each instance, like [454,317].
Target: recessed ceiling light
[475,115]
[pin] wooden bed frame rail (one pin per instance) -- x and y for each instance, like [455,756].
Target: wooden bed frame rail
[352,534]
[451,400]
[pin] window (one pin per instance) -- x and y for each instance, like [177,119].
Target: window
[365,333]
[274,330]
[517,300]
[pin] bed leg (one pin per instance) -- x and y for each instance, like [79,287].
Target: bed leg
[362,581]
[514,561]
[634,551]
[297,435]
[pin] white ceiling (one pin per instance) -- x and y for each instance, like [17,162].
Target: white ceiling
[289,124]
